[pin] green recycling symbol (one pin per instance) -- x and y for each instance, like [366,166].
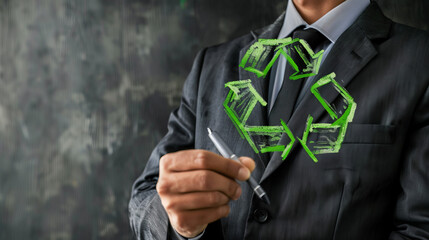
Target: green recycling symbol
[243,98]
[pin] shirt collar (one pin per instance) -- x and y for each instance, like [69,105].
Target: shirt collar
[331,25]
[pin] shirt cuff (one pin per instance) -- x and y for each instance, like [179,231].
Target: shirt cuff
[180,237]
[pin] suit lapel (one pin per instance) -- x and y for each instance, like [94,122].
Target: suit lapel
[352,52]
[260,84]
[259,114]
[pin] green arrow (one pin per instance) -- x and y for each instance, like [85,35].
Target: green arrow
[243,98]
[239,104]
[255,58]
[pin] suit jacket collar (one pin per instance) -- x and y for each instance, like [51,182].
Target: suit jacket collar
[270,31]
[353,50]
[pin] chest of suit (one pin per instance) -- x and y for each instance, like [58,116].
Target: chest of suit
[328,194]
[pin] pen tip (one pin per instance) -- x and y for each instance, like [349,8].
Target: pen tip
[266,199]
[209,130]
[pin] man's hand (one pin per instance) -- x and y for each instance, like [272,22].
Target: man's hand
[195,187]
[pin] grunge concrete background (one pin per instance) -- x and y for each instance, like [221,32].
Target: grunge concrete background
[85,92]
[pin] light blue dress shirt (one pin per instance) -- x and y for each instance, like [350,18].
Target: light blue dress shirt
[331,25]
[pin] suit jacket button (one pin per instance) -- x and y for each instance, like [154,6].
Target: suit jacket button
[260,215]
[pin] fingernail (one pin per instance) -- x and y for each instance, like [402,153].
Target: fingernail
[243,173]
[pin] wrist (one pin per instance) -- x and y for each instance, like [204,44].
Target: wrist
[197,237]
[191,234]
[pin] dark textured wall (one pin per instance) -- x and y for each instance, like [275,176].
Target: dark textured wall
[85,92]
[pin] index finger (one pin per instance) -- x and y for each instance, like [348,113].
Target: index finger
[189,160]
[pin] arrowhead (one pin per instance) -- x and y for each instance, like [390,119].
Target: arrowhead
[243,88]
[256,58]
[309,61]
[239,104]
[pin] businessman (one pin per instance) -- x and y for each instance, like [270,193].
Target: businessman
[375,186]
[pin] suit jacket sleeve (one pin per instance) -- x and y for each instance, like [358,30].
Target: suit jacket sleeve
[148,218]
[412,210]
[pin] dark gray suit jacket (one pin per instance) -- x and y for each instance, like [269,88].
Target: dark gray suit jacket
[376,187]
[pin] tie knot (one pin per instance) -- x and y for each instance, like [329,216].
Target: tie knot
[313,37]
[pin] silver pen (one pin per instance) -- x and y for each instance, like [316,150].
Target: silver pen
[226,152]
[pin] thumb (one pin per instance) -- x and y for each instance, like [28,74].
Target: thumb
[248,162]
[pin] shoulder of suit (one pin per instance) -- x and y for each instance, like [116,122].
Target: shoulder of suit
[230,47]
[410,39]
[236,45]
[405,30]
[412,46]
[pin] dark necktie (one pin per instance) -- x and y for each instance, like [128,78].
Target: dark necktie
[286,99]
